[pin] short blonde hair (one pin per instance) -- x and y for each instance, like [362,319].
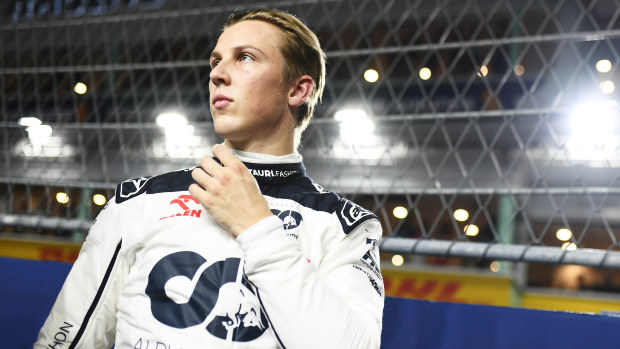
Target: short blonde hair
[301,51]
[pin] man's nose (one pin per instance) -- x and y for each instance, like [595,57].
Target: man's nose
[219,74]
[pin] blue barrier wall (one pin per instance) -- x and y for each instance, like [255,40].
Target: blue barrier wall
[28,290]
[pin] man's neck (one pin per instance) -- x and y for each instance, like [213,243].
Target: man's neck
[283,147]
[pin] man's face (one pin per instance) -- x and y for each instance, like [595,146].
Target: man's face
[248,98]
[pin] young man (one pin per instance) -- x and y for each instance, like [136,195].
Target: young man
[244,251]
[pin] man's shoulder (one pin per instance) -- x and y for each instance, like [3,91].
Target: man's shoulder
[310,194]
[173,181]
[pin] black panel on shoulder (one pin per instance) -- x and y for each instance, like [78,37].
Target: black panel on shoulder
[172,181]
[303,190]
[167,182]
[351,215]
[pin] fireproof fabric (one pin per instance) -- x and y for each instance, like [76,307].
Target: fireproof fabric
[157,271]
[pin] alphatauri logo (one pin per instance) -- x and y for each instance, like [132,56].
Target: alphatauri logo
[291,219]
[187,290]
[183,202]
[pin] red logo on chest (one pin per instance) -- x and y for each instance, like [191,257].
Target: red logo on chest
[184,202]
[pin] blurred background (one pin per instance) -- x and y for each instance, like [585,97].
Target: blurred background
[484,134]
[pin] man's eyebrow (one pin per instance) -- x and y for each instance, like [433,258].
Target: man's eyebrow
[246,46]
[238,48]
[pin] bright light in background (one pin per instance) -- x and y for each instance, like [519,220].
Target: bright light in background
[371,75]
[99,199]
[483,71]
[170,119]
[603,66]
[593,120]
[569,246]
[180,141]
[425,73]
[40,142]
[62,197]
[80,88]
[519,69]
[49,147]
[397,260]
[350,115]
[178,132]
[35,127]
[372,148]
[563,234]
[358,141]
[592,131]
[607,87]
[39,131]
[29,121]
[495,266]
[400,212]
[471,230]
[461,215]
[355,126]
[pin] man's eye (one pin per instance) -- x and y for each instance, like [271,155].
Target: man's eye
[245,58]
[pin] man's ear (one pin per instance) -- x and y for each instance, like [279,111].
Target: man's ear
[300,90]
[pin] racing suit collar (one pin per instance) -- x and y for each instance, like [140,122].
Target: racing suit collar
[258,158]
[271,169]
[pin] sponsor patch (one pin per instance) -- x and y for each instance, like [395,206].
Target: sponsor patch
[190,207]
[272,173]
[370,258]
[290,219]
[130,188]
[351,215]
[372,281]
[186,290]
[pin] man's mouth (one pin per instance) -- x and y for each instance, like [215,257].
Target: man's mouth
[220,101]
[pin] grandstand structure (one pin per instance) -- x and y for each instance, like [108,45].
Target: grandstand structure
[504,109]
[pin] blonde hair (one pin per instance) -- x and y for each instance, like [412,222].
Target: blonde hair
[301,51]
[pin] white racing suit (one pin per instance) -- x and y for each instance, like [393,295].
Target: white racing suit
[157,272]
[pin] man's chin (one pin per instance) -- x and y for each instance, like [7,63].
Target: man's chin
[227,131]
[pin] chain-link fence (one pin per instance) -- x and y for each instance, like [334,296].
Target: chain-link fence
[503,109]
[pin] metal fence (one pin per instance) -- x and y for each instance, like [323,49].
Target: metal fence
[504,109]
